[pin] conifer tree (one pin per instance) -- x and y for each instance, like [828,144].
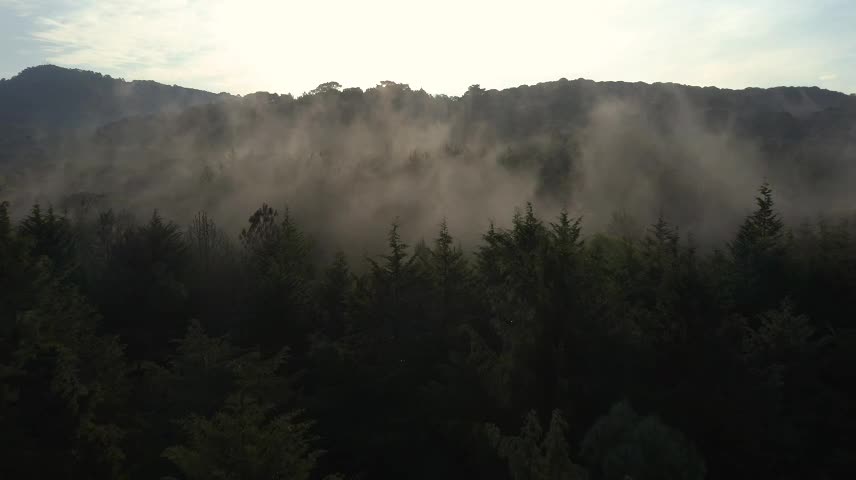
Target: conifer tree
[450,274]
[277,256]
[246,441]
[335,297]
[761,234]
[535,454]
[623,445]
[144,292]
[248,437]
[757,254]
[62,386]
[566,234]
[50,235]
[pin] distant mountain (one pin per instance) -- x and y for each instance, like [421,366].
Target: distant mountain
[47,97]
[780,121]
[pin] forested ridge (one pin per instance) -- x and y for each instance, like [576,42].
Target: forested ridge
[567,280]
[48,96]
[136,347]
[350,159]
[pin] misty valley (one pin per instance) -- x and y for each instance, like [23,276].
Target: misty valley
[569,280]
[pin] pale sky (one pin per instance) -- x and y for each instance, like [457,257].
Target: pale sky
[442,46]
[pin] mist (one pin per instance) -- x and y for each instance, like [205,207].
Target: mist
[347,163]
[691,255]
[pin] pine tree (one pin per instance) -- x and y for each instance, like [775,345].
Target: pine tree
[200,363]
[213,267]
[278,259]
[757,254]
[143,295]
[263,232]
[206,243]
[5,220]
[396,258]
[656,285]
[50,236]
[246,441]
[535,454]
[391,282]
[450,274]
[335,297]
[563,265]
[661,239]
[566,235]
[761,234]
[62,386]
[247,437]
[17,274]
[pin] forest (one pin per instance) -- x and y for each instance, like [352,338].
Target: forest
[350,160]
[573,280]
[137,347]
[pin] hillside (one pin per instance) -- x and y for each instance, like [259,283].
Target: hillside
[571,280]
[48,96]
[358,158]
[596,147]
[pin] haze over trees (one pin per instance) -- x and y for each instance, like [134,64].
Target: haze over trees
[357,159]
[573,280]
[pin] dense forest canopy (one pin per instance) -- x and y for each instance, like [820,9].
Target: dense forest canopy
[149,350]
[573,280]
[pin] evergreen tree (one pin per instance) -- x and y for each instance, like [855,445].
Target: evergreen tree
[761,234]
[245,440]
[748,350]
[758,255]
[450,275]
[392,283]
[535,454]
[335,297]
[624,445]
[49,235]
[247,437]
[63,386]
[277,257]
[213,267]
[143,295]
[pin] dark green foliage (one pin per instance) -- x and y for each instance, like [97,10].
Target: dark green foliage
[214,268]
[335,298]
[412,363]
[146,268]
[55,366]
[536,454]
[277,263]
[207,244]
[17,272]
[451,279]
[761,234]
[50,236]
[623,445]
[758,256]
[245,441]
[245,438]
[393,292]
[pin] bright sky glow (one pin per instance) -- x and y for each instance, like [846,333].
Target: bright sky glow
[442,46]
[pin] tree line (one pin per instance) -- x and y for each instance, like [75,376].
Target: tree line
[149,350]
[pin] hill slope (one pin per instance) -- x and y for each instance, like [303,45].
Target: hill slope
[353,159]
[48,96]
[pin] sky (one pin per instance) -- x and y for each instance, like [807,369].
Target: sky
[442,46]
